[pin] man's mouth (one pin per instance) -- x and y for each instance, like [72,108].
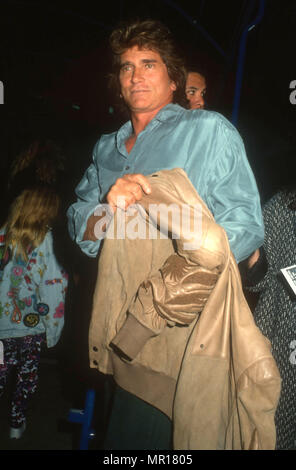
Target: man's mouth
[139,91]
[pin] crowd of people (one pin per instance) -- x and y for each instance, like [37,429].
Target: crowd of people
[169,128]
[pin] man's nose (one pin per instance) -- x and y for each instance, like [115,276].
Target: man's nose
[137,75]
[199,102]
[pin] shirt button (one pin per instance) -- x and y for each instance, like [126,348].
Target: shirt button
[127,167]
[95,348]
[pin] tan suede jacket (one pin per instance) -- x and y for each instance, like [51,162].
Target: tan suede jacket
[171,323]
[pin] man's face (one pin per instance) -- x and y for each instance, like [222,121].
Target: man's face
[144,80]
[195,90]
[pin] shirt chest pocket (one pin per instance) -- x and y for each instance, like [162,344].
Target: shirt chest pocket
[106,179]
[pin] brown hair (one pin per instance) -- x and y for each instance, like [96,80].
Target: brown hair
[34,196]
[42,162]
[29,219]
[195,70]
[152,35]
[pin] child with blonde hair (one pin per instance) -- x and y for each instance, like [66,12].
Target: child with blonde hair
[32,282]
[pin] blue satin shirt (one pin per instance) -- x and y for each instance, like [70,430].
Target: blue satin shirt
[205,145]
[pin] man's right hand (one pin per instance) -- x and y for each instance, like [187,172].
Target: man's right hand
[127,190]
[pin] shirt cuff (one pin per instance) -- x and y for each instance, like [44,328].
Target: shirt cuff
[77,222]
[255,274]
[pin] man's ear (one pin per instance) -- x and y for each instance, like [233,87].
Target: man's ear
[173,86]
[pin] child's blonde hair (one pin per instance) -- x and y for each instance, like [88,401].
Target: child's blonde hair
[29,219]
[34,186]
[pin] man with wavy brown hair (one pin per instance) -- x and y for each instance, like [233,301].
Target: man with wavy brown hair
[149,78]
[153,35]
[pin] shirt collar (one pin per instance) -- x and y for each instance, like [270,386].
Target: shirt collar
[169,112]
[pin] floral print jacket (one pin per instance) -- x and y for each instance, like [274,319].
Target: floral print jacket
[32,293]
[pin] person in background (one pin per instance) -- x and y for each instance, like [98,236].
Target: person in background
[195,89]
[276,307]
[33,284]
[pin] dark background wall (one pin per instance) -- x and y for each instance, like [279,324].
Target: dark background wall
[54,61]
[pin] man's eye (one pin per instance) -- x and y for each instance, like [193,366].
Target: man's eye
[149,66]
[190,92]
[126,68]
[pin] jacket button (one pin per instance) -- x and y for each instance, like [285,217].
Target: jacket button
[95,362]
[95,348]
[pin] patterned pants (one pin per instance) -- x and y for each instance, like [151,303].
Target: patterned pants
[24,354]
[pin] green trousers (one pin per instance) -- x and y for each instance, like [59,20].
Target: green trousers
[134,424]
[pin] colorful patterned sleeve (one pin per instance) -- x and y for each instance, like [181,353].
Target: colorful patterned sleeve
[51,292]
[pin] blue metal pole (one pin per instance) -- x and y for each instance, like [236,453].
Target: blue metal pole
[88,415]
[241,59]
[198,26]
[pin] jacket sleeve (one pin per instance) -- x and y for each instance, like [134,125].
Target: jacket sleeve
[175,296]
[178,292]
